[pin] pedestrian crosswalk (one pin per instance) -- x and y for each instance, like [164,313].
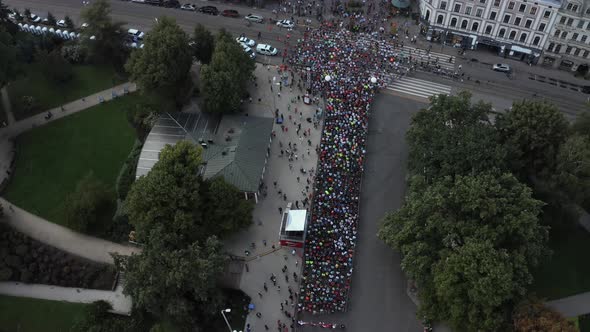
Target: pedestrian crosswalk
[418,88]
[444,60]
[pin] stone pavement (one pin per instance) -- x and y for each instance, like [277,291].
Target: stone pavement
[121,303]
[7,134]
[262,260]
[63,238]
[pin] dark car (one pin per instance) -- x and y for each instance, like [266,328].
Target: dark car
[172,4]
[209,10]
[230,13]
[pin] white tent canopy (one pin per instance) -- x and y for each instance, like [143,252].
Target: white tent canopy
[296,221]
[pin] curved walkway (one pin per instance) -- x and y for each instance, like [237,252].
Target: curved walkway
[121,304]
[63,238]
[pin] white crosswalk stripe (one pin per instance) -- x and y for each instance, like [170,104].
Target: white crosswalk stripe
[419,88]
[444,60]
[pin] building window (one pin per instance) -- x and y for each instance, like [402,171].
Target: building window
[557,32]
[523,37]
[551,46]
[496,3]
[482,1]
[546,14]
[575,8]
[474,26]
[506,18]
[467,10]
[512,35]
[488,30]
[517,21]
[479,12]
[568,50]
[562,20]
[588,11]
[575,36]
[570,21]
[440,19]
[586,53]
[563,34]
[443,5]
[577,52]
[501,33]
[454,22]
[533,10]
[536,41]
[457,8]
[522,8]
[511,5]
[464,24]
[583,39]
[557,49]
[542,27]
[493,15]
[580,24]
[569,6]
[528,23]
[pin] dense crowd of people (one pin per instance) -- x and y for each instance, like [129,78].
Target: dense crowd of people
[340,65]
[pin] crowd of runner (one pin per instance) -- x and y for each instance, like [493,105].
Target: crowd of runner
[340,65]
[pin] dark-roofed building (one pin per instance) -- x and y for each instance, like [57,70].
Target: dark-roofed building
[234,147]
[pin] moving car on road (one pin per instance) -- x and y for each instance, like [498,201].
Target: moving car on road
[501,67]
[286,24]
[266,49]
[188,6]
[246,41]
[209,10]
[254,18]
[230,13]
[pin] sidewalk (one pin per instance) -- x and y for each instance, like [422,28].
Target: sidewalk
[572,306]
[63,238]
[7,107]
[7,134]
[121,303]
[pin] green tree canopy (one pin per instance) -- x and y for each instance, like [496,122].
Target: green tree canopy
[582,124]
[9,63]
[108,44]
[88,206]
[453,136]
[204,44]
[224,80]
[68,21]
[571,178]
[163,65]
[51,19]
[491,220]
[532,132]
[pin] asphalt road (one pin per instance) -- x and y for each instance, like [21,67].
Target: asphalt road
[378,299]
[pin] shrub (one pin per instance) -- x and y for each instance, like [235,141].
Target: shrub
[86,207]
[127,174]
[75,53]
[55,68]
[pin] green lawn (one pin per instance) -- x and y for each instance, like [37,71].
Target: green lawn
[87,80]
[567,272]
[51,159]
[34,315]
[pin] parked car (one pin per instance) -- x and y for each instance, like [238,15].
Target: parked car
[211,10]
[286,24]
[254,18]
[34,18]
[248,51]
[135,34]
[246,41]
[501,67]
[188,6]
[84,25]
[61,23]
[171,4]
[266,49]
[230,13]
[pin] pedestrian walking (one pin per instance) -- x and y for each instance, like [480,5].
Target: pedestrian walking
[280,210]
[258,314]
[260,294]
[265,287]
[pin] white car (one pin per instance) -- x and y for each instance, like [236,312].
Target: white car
[134,33]
[84,26]
[61,23]
[188,6]
[266,49]
[502,67]
[286,24]
[246,41]
[254,18]
[248,51]
[35,18]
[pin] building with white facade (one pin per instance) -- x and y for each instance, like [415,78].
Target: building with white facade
[517,29]
[568,46]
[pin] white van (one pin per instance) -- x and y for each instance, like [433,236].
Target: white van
[134,33]
[266,49]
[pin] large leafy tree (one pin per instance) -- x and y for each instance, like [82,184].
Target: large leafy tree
[582,124]
[453,136]
[532,132]
[6,23]
[455,232]
[571,179]
[9,63]
[163,65]
[204,43]
[108,42]
[89,205]
[532,315]
[224,80]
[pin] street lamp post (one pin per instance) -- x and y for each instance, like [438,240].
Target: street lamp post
[225,318]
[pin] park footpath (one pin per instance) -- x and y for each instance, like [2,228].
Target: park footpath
[259,244]
[88,247]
